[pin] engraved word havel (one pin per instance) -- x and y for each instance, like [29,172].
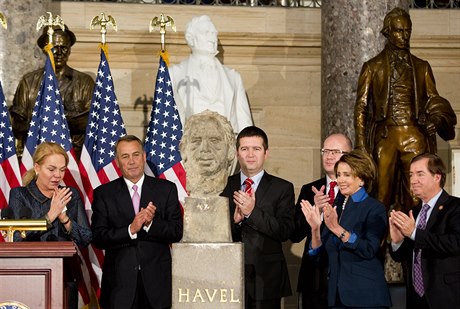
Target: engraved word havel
[207,295]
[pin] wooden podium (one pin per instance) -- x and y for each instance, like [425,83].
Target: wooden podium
[32,272]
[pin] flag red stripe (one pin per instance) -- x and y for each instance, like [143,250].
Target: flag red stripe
[11,177]
[103,176]
[86,183]
[180,172]
[3,201]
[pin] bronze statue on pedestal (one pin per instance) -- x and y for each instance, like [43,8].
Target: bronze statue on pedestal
[398,111]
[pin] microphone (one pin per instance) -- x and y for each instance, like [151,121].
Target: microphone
[7,213]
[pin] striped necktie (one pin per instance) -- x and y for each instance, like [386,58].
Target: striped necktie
[248,186]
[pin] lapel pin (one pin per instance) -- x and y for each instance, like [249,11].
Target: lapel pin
[441,207]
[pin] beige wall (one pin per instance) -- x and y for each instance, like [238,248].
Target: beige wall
[278,53]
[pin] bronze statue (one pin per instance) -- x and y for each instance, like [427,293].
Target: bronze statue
[76,90]
[398,111]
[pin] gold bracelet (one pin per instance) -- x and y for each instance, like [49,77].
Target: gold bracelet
[68,220]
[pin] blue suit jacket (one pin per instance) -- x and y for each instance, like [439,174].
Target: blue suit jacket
[355,270]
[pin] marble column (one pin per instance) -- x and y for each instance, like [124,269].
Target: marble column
[350,36]
[19,52]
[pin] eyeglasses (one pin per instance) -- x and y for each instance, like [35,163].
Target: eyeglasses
[334,152]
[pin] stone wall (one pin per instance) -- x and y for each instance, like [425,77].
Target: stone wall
[278,53]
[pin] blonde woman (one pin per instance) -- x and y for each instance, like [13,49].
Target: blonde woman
[42,197]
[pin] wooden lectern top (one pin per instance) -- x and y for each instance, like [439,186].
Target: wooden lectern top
[37,249]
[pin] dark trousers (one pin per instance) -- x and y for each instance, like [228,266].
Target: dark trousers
[414,301]
[339,305]
[314,296]
[251,303]
[140,300]
[359,307]
[313,300]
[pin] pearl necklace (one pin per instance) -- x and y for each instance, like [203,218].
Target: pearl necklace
[343,208]
[344,203]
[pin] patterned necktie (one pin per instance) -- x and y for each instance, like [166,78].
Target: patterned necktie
[331,192]
[248,186]
[136,199]
[418,276]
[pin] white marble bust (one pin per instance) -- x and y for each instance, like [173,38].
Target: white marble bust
[201,82]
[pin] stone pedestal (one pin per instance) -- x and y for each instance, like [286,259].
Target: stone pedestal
[206,220]
[208,275]
[207,267]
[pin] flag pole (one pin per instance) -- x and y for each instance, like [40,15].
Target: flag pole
[102,21]
[104,127]
[44,21]
[161,23]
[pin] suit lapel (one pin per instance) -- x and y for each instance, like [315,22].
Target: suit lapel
[236,183]
[350,213]
[436,209]
[385,79]
[262,188]
[147,192]
[126,204]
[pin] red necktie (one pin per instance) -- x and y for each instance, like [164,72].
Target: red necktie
[248,186]
[136,199]
[331,193]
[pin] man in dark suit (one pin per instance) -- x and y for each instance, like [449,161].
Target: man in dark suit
[428,239]
[398,111]
[262,210]
[312,282]
[135,218]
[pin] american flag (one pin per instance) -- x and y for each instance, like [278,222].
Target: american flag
[10,176]
[49,124]
[164,134]
[97,162]
[105,127]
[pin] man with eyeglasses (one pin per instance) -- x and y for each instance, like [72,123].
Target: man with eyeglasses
[312,282]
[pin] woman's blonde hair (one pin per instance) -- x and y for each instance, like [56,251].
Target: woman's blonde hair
[41,153]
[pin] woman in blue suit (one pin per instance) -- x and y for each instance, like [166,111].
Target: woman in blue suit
[355,227]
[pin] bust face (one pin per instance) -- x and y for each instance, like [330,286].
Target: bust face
[207,149]
[205,38]
[400,32]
